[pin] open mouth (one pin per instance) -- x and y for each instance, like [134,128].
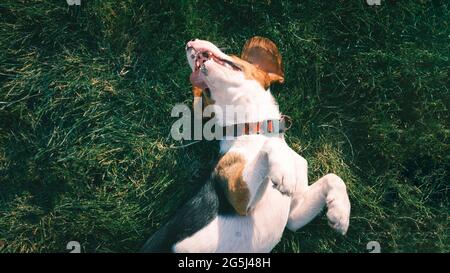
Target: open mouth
[202,56]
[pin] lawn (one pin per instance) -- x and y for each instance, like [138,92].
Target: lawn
[86,94]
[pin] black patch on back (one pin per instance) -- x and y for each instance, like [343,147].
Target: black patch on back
[225,208]
[198,212]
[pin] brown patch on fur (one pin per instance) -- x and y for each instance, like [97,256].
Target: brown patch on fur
[229,174]
[197,91]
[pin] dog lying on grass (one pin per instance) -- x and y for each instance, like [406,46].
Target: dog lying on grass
[260,185]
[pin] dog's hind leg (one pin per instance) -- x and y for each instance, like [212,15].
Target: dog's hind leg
[329,190]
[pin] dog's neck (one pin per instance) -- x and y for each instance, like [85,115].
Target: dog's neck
[258,105]
[252,102]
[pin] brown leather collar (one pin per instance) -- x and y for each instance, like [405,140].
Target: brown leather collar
[271,127]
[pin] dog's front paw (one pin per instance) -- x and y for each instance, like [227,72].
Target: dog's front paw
[338,205]
[283,178]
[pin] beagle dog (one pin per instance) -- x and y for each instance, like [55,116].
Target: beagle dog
[260,185]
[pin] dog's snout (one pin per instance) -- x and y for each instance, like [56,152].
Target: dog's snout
[188,44]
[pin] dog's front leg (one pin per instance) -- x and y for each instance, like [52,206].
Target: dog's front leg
[281,165]
[329,190]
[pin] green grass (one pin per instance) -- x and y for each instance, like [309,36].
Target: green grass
[86,94]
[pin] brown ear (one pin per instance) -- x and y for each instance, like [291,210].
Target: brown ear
[264,54]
